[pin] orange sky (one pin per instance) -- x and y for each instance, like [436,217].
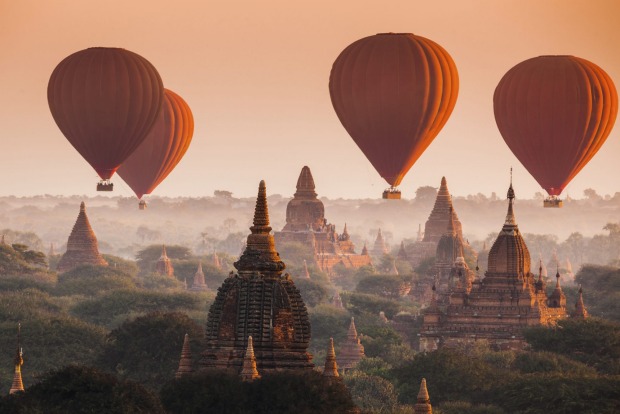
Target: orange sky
[256,76]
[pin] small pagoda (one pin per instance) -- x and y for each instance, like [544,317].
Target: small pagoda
[262,302]
[199,280]
[379,249]
[351,351]
[82,246]
[17,384]
[185,363]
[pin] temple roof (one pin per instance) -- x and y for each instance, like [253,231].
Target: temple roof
[18,384]
[305,184]
[82,246]
[185,363]
[437,221]
[423,404]
[580,309]
[331,366]
[305,212]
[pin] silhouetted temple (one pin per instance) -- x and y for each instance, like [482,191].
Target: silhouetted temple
[351,351]
[498,307]
[260,302]
[82,246]
[306,224]
[164,265]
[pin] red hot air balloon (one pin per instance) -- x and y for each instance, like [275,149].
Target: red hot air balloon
[393,92]
[105,101]
[555,113]
[162,149]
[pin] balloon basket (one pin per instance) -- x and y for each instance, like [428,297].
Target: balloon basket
[142,205]
[553,202]
[391,194]
[105,186]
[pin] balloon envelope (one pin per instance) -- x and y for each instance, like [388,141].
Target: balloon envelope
[105,100]
[555,113]
[163,147]
[393,93]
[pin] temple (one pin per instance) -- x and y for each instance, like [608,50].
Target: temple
[580,311]
[379,249]
[259,301]
[248,369]
[199,280]
[82,246]
[18,384]
[331,366]
[423,404]
[306,224]
[351,351]
[498,307]
[185,363]
[164,265]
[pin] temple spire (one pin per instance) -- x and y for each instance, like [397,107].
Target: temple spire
[423,404]
[306,272]
[331,366]
[164,265]
[345,232]
[352,330]
[365,250]
[199,279]
[451,229]
[305,184]
[402,253]
[260,253]
[216,261]
[420,236]
[249,371]
[510,216]
[18,384]
[185,363]
[580,309]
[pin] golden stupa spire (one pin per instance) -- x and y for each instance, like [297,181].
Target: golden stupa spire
[18,384]
[423,405]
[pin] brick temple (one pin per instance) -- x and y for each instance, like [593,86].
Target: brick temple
[306,224]
[82,246]
[259,301]
[496,308]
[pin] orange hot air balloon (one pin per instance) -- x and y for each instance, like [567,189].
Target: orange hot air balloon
[555,113]
[105,101]
[162,149]
[393,92]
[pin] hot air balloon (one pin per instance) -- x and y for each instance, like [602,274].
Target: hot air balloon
[162,149]
[105,101]
[555,113]
[393,92]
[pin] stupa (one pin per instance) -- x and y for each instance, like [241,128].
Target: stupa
[199,280]
[351,351]
[423,404]
[580,311]
[261,302]
[306,225]
[498,307]
[331,366]
[82,246]
[185,363]
[18,384]
[248,369]
[379,249]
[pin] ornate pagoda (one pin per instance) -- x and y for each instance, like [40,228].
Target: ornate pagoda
[306,224]
[82,246]
[259,301]
[498,307]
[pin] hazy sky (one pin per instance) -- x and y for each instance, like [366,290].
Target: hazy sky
[256,76]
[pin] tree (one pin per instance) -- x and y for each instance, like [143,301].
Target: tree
[312,292]
[79,389]
[90,280]
[426,194]
[147,349]
[371,392]
[388,286]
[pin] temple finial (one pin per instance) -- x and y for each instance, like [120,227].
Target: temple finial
[261,211]
[82,207]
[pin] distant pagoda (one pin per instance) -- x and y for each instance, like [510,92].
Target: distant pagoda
[249,372]
[442,212]
[306,225]
[164,265]
[18,384]
[380,248]
[331,366]
[498,307]
[351,351]
[580,311]
[259,302]
[185,363]
[199,280]
[423,404]
[82,246]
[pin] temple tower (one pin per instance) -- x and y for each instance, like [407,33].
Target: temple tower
[199,279]
[185,363]
[82,246]
[259,302]
[164,265]
[305,211]
[557,299]
[440,216]
[580,309]
[423,405]
[248,370]
[351,351]
[379,249]
[331,366]
[18,384]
